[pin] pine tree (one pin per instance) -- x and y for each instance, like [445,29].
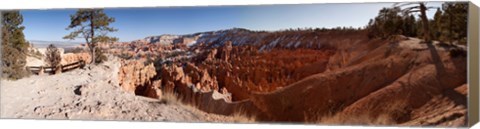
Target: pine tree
[387,23]
[93,26]
[422,8]
[455,23]
[14,46]
[436,25]
[409,26]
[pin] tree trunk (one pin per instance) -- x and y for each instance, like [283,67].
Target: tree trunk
[450,28]
[93,55]
[426,30]
[93,42]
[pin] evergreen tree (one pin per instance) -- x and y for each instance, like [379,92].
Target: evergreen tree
[52,56]
[455,22]
[436,25]
[14,46]
[422,8]
[93,26]
[448,24]
[387,23]
[409,26]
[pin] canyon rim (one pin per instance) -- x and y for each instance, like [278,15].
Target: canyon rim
[401,68]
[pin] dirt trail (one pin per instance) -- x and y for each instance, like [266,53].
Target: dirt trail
[91,93]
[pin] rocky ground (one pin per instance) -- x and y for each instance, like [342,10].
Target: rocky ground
[91,93]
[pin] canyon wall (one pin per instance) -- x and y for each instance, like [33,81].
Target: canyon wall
[314,77]
[136,77]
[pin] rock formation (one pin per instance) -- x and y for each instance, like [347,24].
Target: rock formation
[135,77]
[154,90]
[242,69]
[313,76]
[188,79]
[75,57]
[201,78]
[225,51]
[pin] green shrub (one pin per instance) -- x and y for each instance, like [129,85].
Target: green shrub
[457,52]
[52,56]
[14,47]
[100,55]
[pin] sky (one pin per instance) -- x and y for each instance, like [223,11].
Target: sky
[138,23]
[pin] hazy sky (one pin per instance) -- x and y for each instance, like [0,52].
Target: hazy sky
[137,23]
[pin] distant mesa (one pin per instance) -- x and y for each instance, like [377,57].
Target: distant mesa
[220,37]
[60,44]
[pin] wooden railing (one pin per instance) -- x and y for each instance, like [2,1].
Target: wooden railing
[39,70]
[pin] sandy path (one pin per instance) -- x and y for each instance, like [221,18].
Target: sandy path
[91,93]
